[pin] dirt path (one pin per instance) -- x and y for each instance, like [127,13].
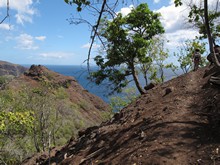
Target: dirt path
[158,128]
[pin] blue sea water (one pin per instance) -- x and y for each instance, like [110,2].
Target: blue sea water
[80,73]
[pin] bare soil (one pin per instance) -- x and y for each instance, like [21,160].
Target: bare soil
[175,123]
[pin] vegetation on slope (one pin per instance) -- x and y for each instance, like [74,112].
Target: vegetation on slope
[176,122]
[42,109]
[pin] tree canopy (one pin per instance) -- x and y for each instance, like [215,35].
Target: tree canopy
[128,40]
[204,19]
[185,54]
[199,15]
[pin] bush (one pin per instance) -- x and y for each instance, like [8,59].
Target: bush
[120,101]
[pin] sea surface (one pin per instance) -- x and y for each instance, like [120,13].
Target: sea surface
[80,73]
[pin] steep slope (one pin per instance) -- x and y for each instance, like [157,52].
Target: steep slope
[60,107]
[176,122]
[45,82]
[7,68]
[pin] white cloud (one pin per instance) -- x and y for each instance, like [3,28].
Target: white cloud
[24,9]
[178,37]
[25,41]
[126,10]
[55,55]
[40,38]
[21,18]
[173,18]
[95,46]
[177,30]
[175,22]
[5,26]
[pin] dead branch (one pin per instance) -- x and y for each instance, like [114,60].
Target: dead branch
[7,15]
[95,30]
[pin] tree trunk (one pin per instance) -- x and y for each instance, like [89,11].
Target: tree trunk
[137,83]
[208,31]
[35,141]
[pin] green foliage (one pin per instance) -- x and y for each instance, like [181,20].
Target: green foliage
[38,91]
[197,18]
[5,79]
[128,39]
[29,115]
[8,158]
[79,3]
[154,67]
[13,123]
[185,54]
[177,3]
[61,93]
[16,122]
[126,97]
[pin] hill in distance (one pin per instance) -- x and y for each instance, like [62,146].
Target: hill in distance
[175,123]
[7,68]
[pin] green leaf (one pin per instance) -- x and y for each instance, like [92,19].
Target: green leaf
[67,1]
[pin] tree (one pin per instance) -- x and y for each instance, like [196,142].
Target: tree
[79,3]
[125,98]
[100,10]
[197,18]
[207,27]
[185,54]
[94,32]
[16,122]
[154,69]
[33,119]
[127,42]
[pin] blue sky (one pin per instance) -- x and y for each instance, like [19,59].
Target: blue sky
[37,31]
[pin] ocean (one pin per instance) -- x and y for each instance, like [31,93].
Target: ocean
[80,74]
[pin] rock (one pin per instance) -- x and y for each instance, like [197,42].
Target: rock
[150,86]
[168,91]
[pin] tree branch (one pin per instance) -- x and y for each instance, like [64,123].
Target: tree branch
[95,30]
[212,51]
[7,15]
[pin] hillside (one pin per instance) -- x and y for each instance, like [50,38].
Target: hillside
[7,68]
[176,122]
[58,106]
[46,82]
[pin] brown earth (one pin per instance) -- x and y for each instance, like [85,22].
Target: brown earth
[175,123]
